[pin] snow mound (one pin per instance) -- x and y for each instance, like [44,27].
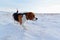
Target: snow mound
[47,27]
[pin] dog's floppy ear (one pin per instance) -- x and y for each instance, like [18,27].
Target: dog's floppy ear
[20,19]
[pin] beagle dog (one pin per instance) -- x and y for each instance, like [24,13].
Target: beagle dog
[22,17]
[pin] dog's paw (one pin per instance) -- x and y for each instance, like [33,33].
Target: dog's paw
[23,28]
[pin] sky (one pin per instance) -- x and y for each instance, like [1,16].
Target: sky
[37,6]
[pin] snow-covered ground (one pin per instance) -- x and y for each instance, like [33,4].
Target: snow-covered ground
[47,27]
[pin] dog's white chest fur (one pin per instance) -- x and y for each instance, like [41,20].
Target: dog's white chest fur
[23,19]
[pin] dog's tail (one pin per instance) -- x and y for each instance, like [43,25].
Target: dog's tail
[17,11]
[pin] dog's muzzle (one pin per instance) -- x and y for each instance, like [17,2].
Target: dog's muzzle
[35,19]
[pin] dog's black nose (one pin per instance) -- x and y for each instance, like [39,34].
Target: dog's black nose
[36,18]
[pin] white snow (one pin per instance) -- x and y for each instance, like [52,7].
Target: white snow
[47,27]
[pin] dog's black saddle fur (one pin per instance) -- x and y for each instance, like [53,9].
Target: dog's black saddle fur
[15,15]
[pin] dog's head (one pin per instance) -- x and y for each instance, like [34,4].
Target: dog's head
[30,16]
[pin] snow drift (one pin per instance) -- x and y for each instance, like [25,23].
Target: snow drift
[47,27]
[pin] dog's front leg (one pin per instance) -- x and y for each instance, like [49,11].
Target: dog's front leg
[24,27]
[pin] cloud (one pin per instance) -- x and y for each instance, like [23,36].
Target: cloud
[36,9]
[50,9]
[39,6]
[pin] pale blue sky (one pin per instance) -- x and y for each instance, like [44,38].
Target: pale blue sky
[41,6]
